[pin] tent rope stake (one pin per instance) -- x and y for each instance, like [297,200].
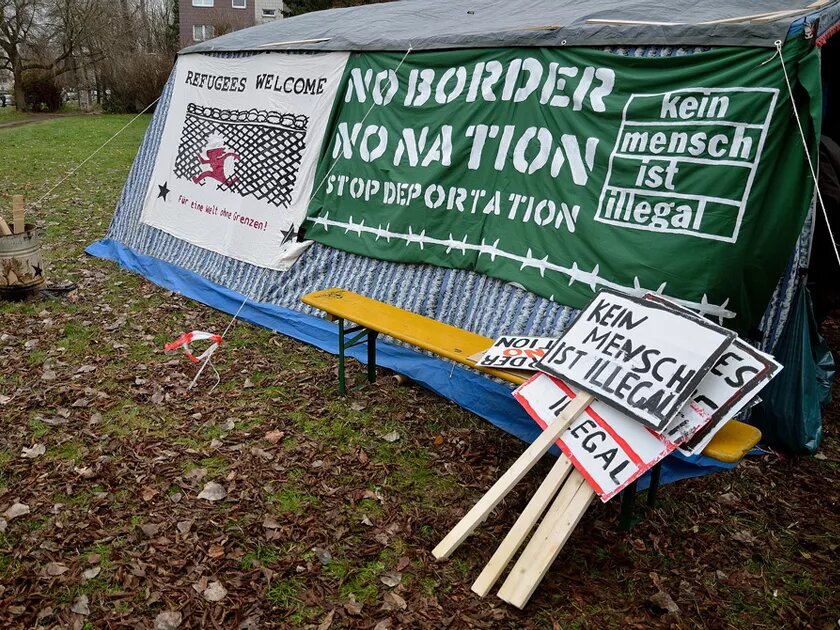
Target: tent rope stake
[778,44]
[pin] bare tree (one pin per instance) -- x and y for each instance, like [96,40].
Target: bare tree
[50,36]
[223,24]
[89,41]
[139,58]
[16,32]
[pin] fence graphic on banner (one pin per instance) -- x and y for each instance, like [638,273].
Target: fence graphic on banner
[249,152]
[574,273]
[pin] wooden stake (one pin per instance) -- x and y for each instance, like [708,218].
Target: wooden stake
[17,214]
[551,535]
[4,228]
[512,476]
[523,526]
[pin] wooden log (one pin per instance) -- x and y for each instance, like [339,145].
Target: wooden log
[565,513]
[4,228]
[523,526]
[481,510]
[17,214]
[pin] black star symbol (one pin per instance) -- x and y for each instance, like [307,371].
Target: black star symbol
[38,270]
[164,190]
[287,234]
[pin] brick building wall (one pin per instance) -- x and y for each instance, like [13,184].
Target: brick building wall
[222,18]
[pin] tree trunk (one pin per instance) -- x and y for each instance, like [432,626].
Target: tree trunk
[17,72]
[144,21]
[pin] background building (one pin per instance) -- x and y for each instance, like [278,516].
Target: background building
[267,10]
[205,19]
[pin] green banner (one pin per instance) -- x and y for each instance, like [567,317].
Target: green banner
[569,170]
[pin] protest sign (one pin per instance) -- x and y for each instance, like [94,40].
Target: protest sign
[724,396]
[517,353]
[639,356]
[607,446]
[739,374]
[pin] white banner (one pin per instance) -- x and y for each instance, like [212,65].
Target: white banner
[236,165]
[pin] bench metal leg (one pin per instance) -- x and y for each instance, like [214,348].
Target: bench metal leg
[342,385]
[654,485]
[363,335]
[628,519]
[371,351]
[628,502]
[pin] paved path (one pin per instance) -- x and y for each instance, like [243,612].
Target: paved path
[37,118]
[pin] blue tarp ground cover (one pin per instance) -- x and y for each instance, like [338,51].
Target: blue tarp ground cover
[482,396]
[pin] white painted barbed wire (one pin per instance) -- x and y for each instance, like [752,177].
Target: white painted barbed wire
[574,273]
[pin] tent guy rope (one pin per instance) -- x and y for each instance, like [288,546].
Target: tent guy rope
[314,192]
[778,44]
[360,123]
[88,158]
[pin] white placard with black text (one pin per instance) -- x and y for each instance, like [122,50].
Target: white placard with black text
[640,357]
[739,375]
[608,447]
[516,353]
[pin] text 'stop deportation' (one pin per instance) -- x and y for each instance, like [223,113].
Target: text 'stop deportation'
[638,356]
[568,170]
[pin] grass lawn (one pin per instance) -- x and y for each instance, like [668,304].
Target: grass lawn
[10,115]
[324,522]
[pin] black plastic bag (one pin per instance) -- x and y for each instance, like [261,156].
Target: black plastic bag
[789,415]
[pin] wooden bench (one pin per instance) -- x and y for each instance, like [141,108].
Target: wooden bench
[372,317]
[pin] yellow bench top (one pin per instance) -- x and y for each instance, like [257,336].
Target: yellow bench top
[447,341]
[729,445]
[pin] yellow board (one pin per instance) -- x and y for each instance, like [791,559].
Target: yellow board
[732,442]
[729,445]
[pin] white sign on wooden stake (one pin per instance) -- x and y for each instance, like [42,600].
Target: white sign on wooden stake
[607,446]
[236,165]
[611,449]
[641,357]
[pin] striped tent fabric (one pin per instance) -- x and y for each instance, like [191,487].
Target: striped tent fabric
[472,301]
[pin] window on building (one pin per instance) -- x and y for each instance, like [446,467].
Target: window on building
[269,13]
[202,3]
[202,32]
[239,4]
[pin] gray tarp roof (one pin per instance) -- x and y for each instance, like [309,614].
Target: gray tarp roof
[440,24]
